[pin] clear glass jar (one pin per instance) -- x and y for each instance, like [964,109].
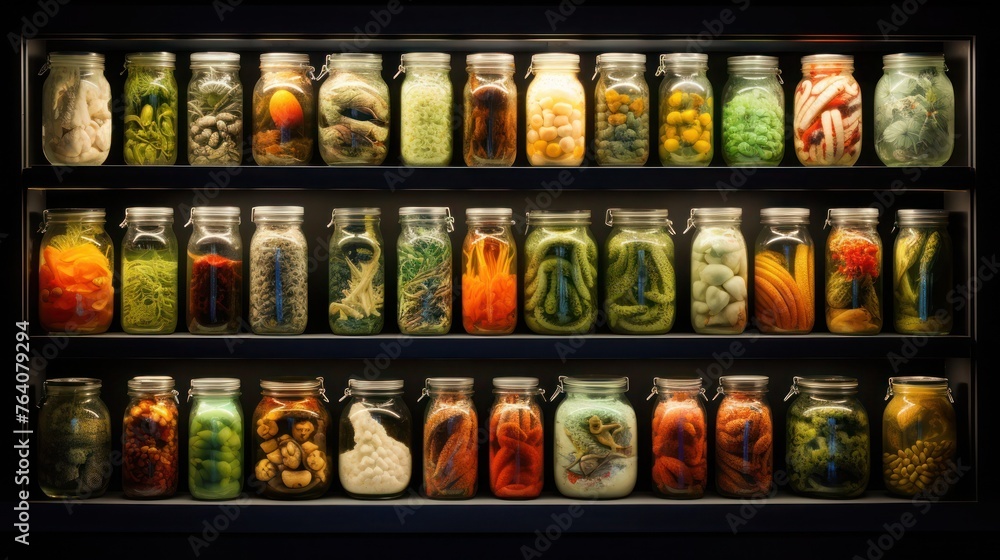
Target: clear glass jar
[451,439]
[680,438]
[922,273]
[753,112]
[640,285]
[718,271]
[489,137]
[517,438]
[214,271]
[914,111]
[556,91]
[784,283]
[918,436]
[354,110]
[828,440]
[594,447]
[150,447]
[284,110]
[560,277]
[827,111]
[621,110]
[76,109]
[356,272]
[279,271]
[686,134]
[291,453]
[75,290]
[149,271]
[151,109]
[215,110]
[489,272]
[744,437]
[853,271]
[375,460]
[425,109]
[423,275]
[215,444]
[74,439]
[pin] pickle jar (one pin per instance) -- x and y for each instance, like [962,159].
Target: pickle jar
[753,112]
[215,444]
[489,272]
[621,110]
[75,133]
[922,273]
[151,109]
[914,111]
[827,122]
[686,137]
[853,272]
[284,114]
[918,436]
[489,131]
[75,290]
[783,272]
[640,284]
[828,440]
[214,271]
[680,438]
[215,110]
[423,276]
[560,277]
[353,110]
[517,438]
[594,438]
[451,439]
[375,459]
[150,439]
[425,109]
[718,271]
[149,300]
[556,105]
[744,444]
[74,439]
[291,457]
[356,272]
[279,270]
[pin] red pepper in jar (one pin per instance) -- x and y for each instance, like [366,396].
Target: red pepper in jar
[214,296]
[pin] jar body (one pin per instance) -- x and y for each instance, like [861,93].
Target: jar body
[680,445]
[555,96]
[149,278]
[918,441]
[640,280]
[621,116]
[214,279]
[687,120]
[279,263]
[425,114]
[74,451]
[594,446]
[215,116]
[150,446]
[451,450]
[215,448]
[719,279]
[828,446]
[916,101]
[784,282]
[744,445]
[375,434]
[560,279]
[753,120]
[489,132]
[517,450]
[291,457]
[827,121]
[854,280]
[284,115]
[922,280]
[151,115]
[489,279]
[75,291]
[357,277]
[354,117]
[76,115]
[424,277]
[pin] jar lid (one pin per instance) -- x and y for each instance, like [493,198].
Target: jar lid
[515,383]
[591,383]
[625,59]
[682,60]
[639,216]
[261,214]
[865,215]
[784,215]
[363,387]
[433,211]
[293,385]
[742,383]
[554,61]
[214,386]
[225,214]
[488,214]
[755,62]
[209,59]
[150,384]
[62,215]
[354,60]
[918,382]
[823,384]
[356,213]
[283,58]
[498,61]
[425,60]
[909,60]
[71,385]
[154,214]
[921,217]
[448,384]
[713,215]
[812,60]
[73,59]
[674,384]
[558,217]
[167,59]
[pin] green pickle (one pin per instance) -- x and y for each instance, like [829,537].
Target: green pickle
[215,451]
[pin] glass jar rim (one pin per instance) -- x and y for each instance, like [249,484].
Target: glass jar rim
[909,60]
[558,217]
[69,58]
[834,384]
[65,215]
[743,383]
[71,385]
[620,59]
[364,387]
[291,384]
[215,386]
[865,215]
[356,213]
[784,215]
[918,381]
[432,211]
[684,59]
[448,384]
[262,214]
[354,60]
[155,214]
[640,216]
[678,383]
[490,61]
[514,383]
[751,63]
[595,384]
[702,215]
[554,61]
[212,58]
[488,214]
[150,384]
[845,60]
[921,217]
[161,58]
[425,60]
[283,58]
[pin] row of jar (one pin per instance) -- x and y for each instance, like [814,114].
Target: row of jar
[914,111]
[594,439]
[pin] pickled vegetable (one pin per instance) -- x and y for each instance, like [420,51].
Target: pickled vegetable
[918,441]
[914,113]
[424,280]
[451,454]
[353,118]
[283,117]
[828,112]
[516,447]
[490,122]
[560,280]
[76,121]
[719,280]
[686,128]
[489,285]
[922,269]
[744,446]
[215,461]
[784,290]
[622,123]
[556,105]
[854,265]
[151,113]
[426,108]
[680,446]
[291,457]
[75,291]
[641,294]
[279,270]
[150,447]
[357,279]
[828,448]
[215,116]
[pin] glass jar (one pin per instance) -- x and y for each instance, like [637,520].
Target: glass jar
[489,137]
[375,460]
[489,272]
[75,291]
[914,111]
[686,135]
[555,92]
[853,271]
[753,112]
[640,286]
[784,272]
[149,271]
[827,111]
[150,439]
[356,272]
[215,109]
[76,109]
[828,445]
[151,109]
[918,436]
[560,276]
[279,270]
[680,438]
[517,437]
[451,439]
[621,110]
[922,273]
[214,271]
[718,271]
[425,109]
[744,444]
[74,439]
[594,453]
[284,110]
[423,276]
[354,110]
[291,457]
[215,444]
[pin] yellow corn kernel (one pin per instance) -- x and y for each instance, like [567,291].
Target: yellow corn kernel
[624,98]
[690,136]
[578,152]
[610,95]
[637,106]
[671,132]
[697,100]
[672,145]
[613,106]
[531,150]
[553,150]
[705,119]
[673,117]
[702,147]
[689,116]
[675,99]
[706,135]
[540,145]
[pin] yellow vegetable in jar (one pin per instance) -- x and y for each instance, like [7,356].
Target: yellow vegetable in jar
[705,119]
[675,99]
[673,117]
[689,116]
[610,95]
[690,135]
[553,150]
[672,145]
[702,147]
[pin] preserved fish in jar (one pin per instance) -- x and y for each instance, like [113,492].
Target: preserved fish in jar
[74,439]
[556,106]
[489,272]
[753,112]
[744,437]
[76,114]
[680,438]
[827,115]
[489,136]
[279,270]
[150,446]
[216,444]
[517,451]
[784,272]
[357,272]
[151,109]
[560,278]
[375,460]
[922,273]
[425,109]
[353,110]
[451,439]
[686,135]
[853,272]
[214,271]
[621,110]
[914,111]
[424,270]
[918,436]
[215,109]
[640,280]
[149,271]
[718,271]
[284,110]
